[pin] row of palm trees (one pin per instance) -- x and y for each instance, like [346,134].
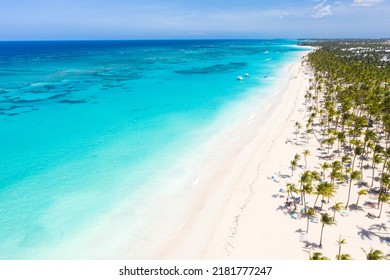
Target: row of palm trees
[370,255]
[348,104]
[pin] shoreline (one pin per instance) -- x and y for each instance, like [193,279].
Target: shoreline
[240,212]
[218,220]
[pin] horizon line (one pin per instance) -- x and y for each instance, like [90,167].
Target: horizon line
[194,39]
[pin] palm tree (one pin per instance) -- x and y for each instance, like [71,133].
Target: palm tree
[360,193]
[383,198]
[317,256]
[325,220]
[306,153]
[385,182]
[298,126]
[330,143]
[329,191]
[337,208]
[355,175]
[344,257]
[374,254]
[340,242]
[306,180]
[345,159]
[311,213]
[293,165]
[320,190]
[291,188]
[307,189]
[376,159]
[324,166]
[341,140]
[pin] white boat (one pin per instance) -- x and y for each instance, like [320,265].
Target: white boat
[240,78]
[246,75]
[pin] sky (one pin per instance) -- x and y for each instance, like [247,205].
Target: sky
[192,19]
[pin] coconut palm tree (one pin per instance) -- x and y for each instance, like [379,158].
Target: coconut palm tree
[376,159]
[317,256]
[360,193]
[345,160]
[385,183]
[320,190]
[298,126]
[341,140]
[311,213]
[340,242]
[374,254]
[306,153]
[344,257]
[329,192]
[337,208]
[383,198]
[293,166]
[291,188]
[355,175]
[324,166]
[306,180]
[326,220]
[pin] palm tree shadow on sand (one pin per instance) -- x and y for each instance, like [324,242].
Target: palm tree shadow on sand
[306,244]
[355,208]
[376,231]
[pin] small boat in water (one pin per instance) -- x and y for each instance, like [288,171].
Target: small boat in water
[240,78]
[246,75]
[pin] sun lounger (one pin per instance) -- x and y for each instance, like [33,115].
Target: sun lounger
[294,216]
[370,215]
[344,213]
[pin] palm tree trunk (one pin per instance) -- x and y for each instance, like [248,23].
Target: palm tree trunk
[361,156]
[322,230]
[353,162]
[357,202]
[349,192]
[381,183]
[380,212]
[315,202]
[308,222]
[338,147]
[373,173]
[338,256]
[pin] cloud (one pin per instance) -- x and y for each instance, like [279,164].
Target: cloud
[321,10]
[366,3]
[284,15]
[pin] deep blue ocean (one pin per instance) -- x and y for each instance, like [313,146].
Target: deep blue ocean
[85,126]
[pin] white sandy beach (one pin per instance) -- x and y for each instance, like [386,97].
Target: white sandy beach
[237,211]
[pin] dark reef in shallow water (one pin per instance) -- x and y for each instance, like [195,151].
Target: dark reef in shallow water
[73,101]
[231,67]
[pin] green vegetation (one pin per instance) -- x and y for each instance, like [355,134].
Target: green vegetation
[348,111]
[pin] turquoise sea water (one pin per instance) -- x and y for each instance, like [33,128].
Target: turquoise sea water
[85,126]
